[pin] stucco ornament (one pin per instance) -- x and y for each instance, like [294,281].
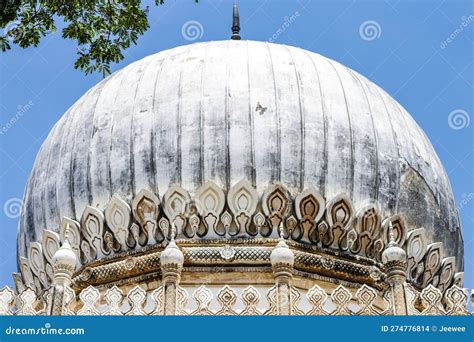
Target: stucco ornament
[117,215]
[243,200]
[393,253]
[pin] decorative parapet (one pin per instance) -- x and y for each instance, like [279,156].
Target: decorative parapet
[199,301]
[333,231]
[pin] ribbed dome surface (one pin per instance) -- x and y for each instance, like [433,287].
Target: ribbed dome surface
[232,110]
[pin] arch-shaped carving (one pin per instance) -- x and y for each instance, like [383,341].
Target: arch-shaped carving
[87,252]
[243,200]
[175,202]
[227,298]
[367,228]
[70,231]
[18,281]
[210,203]
[416,250]
[275,205]
[458,280]
[92,223]
[251,299]
[36,262]
[446,274]
[226,219]
[366,297]
[341,297]
[146,207]
[293,229]
[50,244]
[203,297]
[136,236]
[7,299]
[192,228]
[164,225]
[368,220]
[339,216]
[137,298]
[399,229]
[317,298]
[431,299]
[26,273]
[456,299]
[259,222]
[118,218]
[110,243]
[90,297]
[322,235]
[432,262]
[339,211]
[309,209]
[26,302]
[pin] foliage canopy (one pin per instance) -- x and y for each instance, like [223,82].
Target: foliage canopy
[103,29]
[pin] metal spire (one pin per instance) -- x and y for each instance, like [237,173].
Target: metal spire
[235,23]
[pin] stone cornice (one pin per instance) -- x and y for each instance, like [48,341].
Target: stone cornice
[228,257]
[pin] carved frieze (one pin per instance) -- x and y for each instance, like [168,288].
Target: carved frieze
[212,214]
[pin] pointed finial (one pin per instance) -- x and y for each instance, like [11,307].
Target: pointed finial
[391,234]
[235,22]
[282,254]
[393,252]
[173,231]
[281,230]
[172,255]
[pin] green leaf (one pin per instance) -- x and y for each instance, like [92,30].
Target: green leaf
[103,29]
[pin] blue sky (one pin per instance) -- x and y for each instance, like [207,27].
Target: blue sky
[420,52]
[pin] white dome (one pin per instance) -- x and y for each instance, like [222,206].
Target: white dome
[232,110]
